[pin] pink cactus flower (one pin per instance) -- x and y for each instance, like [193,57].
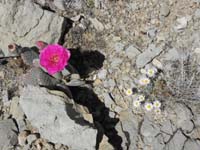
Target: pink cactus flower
[54,58]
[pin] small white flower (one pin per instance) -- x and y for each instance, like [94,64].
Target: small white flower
[144,81]
[156,104]
[136,103]
[143,71]
[151,72]
[148,106]
[129,92]
[157,111]
[141,98]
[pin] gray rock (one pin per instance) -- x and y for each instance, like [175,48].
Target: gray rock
[122,134]
[132,52]
[171,55]
[56,121]
[100,4]
[107,100]
[147,55]
[155,143]
[1,53]
[132,6]
[116,62]
[166,137]
[152,33]
[59,4]
[183,117]
[15,109]
[181,24]
[24,22]
[191,144]
[8,136]
[129,124]
[102,74]
[105,145]
[75,4]
[31,138]
[197,14]
[177,142]
[111,83]
[97,24]
[119,46]
[5,98]
[167,127]
[164,10]
[148,128]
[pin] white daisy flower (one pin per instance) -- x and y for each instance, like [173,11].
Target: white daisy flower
[148,106]
[136,103]
[141,98]
[157,111]
[144,81]
[129,92]
[156,104]
[150,70]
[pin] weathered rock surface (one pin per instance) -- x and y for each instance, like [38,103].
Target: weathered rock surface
[192,144]
[147,55]
[177,141]
[25,23]
[55,120]
[8,136]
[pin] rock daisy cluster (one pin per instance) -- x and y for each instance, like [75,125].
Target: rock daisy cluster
[148,73]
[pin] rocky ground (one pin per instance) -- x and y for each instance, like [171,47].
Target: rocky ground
[113,43]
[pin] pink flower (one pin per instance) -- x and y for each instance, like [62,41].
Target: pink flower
[54,58]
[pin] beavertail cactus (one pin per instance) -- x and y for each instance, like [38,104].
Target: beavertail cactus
[36,76]
[54,58]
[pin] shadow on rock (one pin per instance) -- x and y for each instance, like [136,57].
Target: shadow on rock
[103,122]
[86,61]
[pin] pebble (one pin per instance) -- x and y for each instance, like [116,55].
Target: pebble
[5,98]
[171,54]
[197,50]
[111,84]
[197,14]
[147,55]
[31,138]
[2,74]
[118,109]
[102,74]
[8,134]
[58,146]
[107,100]
[179,139]
[157,63]
[164,10]
[22,138]
[119,46]
[116,62]
[191,144]
[15,109]
[97,24]
[152,33]
[181,23]
[132,52]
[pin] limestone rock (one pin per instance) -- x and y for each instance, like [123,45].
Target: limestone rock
[24,22]
[56,121]
[8,136]
[147,55]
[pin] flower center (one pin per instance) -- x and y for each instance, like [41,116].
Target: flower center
[54,58]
